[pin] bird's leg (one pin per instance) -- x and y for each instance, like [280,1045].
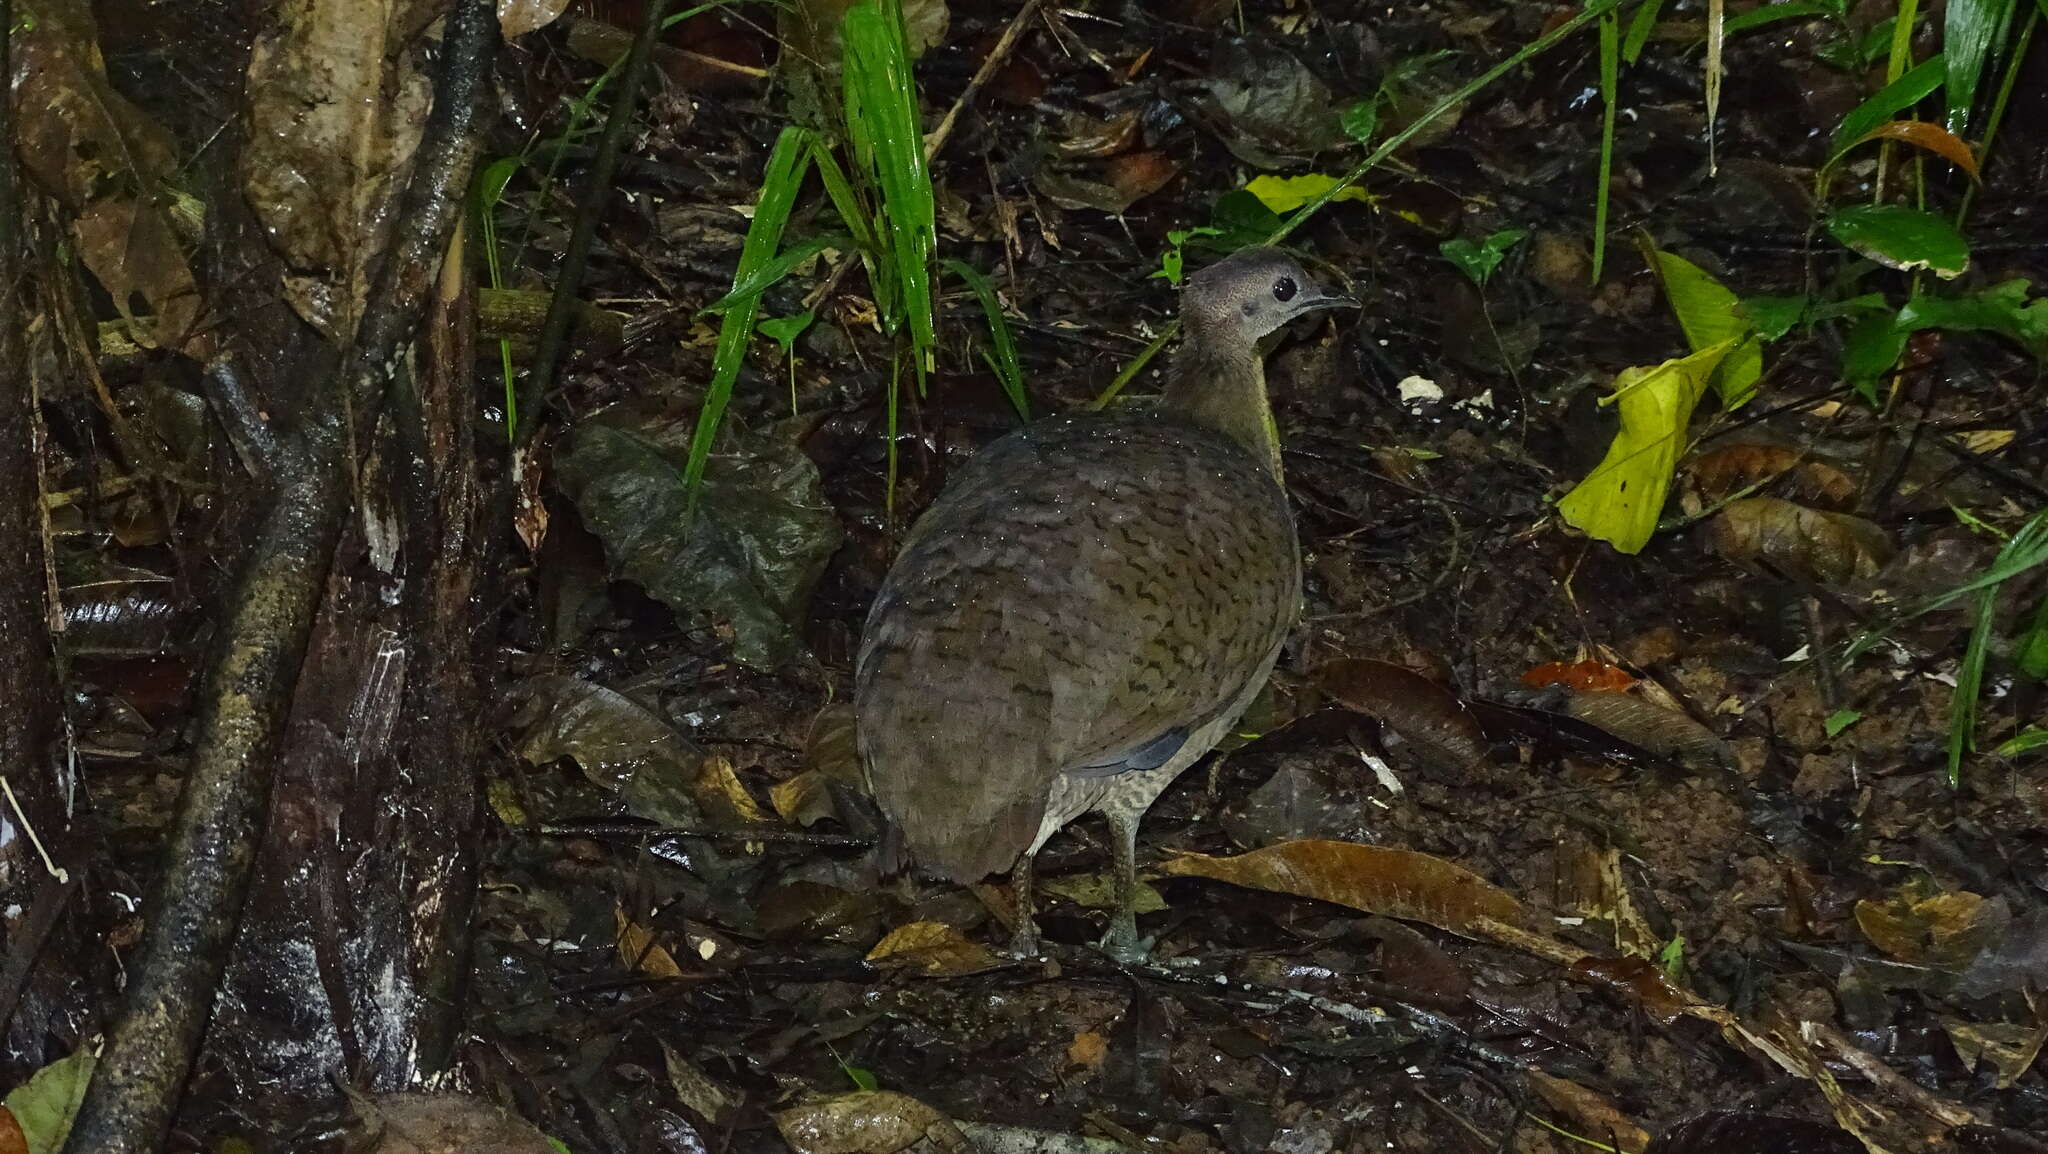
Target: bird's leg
[1024,938]
[1122,942]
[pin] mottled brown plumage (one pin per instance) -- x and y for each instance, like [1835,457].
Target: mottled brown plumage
[1086,608]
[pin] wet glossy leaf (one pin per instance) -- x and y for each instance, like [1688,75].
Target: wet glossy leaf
[44,1106]
[1726,471]
[722,797]
[2002,308]
[1873,346]
[1588,1112]
[518,17]
[1802,543]
[785,330]
[1912,86]
[1360,120]
[868,1122]
[934,949]
[1639,979]
[1267,106]
[1412,705]
[1907,239]
[1710,314]
[748,556]
[619,743]
[1664,732]
[2025,741]
[831,746]
[1729,1132]
[1971,29]
[1932,137]
[1287,193]
[1773,316]
[1581,675]
[1927,927]
[1478,261]
[1621,499]
[1394,883]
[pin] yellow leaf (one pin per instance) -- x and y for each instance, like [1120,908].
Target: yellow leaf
[721,796]
[933,948]
[1287,193]
[1619,501]
[639,951]
[1710,314]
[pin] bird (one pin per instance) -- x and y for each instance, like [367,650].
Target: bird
[1088,607]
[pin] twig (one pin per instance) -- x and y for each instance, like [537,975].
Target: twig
[630,829]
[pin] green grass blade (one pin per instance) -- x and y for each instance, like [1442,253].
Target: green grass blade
[1640,27]
[860,221]
[1610,81]
[1004,359]
[1962,704]
[771,273]
[1970,30]
[787,165]
[1912,86]
[882,119]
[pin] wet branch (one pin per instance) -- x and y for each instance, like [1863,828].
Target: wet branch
[254,666]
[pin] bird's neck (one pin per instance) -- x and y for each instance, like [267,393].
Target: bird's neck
[1225,389]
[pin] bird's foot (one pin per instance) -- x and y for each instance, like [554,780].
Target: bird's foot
[1024,943]
[1122,943]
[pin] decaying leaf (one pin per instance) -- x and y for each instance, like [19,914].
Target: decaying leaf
[1637,978]
[2009,1047]
[518,17]
[931,948]
[1590,885]
[1085,136]
[723,798]
[1620,500]
[1580,675]
[867,1122]
[1590,1113]
[747,557]
[620,744]
[1267,106]
[1396,883]
[1725,471]
[699,1091]
[831,746]
[1924,926]
[1114,186]
[639,951]
[1097,891]
[1802,543]
[1417,708]
[803,800]
[338,97]
[1664,732]
[111,165]
[411,1123]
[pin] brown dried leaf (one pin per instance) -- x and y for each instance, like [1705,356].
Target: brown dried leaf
[518,17]
[1915,925]
[2009,1047]
[1728,470]
[337,98]
[1806,544]
[1932,137]
[723,798]
[1592,1114]
[696,1089]
[1097,891]
[413,1123]
[803,800]
[1582,675]
[931,948]
[1397,883]
[832,746]
[1088,1050]
[1638,978]
[129,246]
[1137,175]
[1664,732]
[1085,136]
[1417,708]
[867,1122]
[640,952]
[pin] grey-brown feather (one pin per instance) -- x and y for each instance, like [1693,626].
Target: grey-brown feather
[1087,587]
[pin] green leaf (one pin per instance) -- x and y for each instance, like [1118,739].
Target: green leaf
[1840,720]
[1907,239]
[1912,86]
[1359,121]
[1773,316]
[1287,193]
[862,1077]
[1970,28]
[491,182]
[1478,261]
[2026,740]
[768,274]
[785,330]
[45,1105]
[1639,28]
[1773,13]
[1004,359]
[2002,308]
[1711,315]
[1872,347]
[2031,654]
[1619,501]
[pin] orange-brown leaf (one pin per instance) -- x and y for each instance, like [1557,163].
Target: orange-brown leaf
[639,951]
[933,948]
[1397,883]
[1414,706]
[1728,470]
[1932,137]
[1808,544]
[1591,1113]
[1580,675]
[1638,978]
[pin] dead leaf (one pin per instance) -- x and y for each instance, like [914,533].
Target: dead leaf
[412,1123]
[1397,883]
[1665,732]
[1722,472]
[1932,137]
[129,246]
[518,17]
[1580,675]
[1088,1051]
[1923,926]
[934,949]
[1590,1113]
[1590,885]
[639,951]
[1097,891]
[723,798]
[2009,1047]
[1638,978]
[831,747]
[803,800]
[1083,136]
[12,1140]
[867,1122]
[337,98]
[696,1089]
[1802,543]
[1415,707]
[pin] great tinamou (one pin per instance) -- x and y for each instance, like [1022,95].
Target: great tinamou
[1081,614]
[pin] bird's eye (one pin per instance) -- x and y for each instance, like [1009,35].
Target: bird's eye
[1284,289]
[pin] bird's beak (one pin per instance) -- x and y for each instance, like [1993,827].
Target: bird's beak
[1328,301]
